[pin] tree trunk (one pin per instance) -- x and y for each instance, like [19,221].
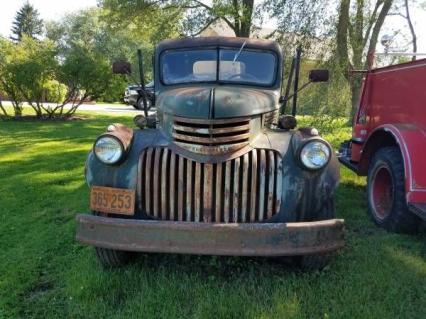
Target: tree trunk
[246,18]
[3,109]
[413,33]
[342,36]
[378,26]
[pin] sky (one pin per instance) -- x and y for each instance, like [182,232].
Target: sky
[54,9]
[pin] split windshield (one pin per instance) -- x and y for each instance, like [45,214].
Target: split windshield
[223,65]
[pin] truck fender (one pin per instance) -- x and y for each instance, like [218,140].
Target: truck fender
[411,141]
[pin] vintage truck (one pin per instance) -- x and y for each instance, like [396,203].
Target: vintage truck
[388,144]
[216,172]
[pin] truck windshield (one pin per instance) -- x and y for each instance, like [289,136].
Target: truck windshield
[223,65]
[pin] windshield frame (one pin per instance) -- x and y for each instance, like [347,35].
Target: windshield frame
[272,84]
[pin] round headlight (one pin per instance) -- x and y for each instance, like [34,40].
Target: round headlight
[108,149]
[315,154]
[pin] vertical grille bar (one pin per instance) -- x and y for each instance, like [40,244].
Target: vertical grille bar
[197,195]
[245,182]
[208,190]
[148,176]
[262,185]
[156,178]
[188,190]
[227,197]
[180,188]
[279,186]
[236,190]
[164,173]
[270,191]
[172,190]
[219,193]
[253,186]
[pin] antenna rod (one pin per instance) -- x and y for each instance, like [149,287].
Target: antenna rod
[141,73]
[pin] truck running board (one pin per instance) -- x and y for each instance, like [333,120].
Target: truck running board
[348,163]
[419,210]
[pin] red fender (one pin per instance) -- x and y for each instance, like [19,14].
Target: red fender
[412,143]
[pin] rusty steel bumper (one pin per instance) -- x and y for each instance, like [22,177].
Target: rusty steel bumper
[251,239]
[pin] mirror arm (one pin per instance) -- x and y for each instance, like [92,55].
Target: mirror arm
[300,89]
[296,80]
[285,98]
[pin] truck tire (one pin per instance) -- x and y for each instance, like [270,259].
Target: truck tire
[387,205]
[318,261]
[139,104]
[110,258]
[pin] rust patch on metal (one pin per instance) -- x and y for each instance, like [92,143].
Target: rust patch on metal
[258,239]
[245,189]
[211,136]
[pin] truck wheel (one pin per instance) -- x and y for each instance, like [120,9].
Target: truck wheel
[110,258]
[386,192]
[139,104]
[318,261]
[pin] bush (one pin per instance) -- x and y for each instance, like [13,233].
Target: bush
[35,72]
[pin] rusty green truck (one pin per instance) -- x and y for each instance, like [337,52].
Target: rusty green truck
[220,171]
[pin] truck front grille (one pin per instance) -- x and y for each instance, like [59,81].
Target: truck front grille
[241,190]
[207,136]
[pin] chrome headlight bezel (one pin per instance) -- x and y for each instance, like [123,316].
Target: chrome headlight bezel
[304,151]
[120,149]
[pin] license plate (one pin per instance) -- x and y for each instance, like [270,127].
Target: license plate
[112,200]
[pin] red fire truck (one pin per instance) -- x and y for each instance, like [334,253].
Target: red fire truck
[388,144]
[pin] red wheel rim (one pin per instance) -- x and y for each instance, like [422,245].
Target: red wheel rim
[382,192]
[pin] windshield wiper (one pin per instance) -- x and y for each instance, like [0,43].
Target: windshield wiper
[239,52]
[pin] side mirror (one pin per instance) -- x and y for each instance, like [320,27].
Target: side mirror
[121,67]
[319,75]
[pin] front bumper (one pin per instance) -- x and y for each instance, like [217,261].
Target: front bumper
[251,239]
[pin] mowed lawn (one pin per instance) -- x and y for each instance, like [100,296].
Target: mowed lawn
[44,273]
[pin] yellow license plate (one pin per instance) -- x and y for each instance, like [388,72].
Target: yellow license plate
[112,200]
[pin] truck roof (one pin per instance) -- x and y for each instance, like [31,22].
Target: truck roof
[219,41]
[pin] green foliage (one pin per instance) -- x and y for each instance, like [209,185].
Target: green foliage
[27,22]
[9,58]
[30,71]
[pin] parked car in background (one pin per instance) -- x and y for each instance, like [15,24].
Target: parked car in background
[132,95]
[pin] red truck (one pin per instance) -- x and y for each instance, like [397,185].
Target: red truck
[388,144]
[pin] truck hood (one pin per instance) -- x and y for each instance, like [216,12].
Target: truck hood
[217,101]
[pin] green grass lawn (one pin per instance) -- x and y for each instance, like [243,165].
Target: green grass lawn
[45,273]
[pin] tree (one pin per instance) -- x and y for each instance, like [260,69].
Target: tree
[402,9]
[9,58]
[358,28]
[27,22]
[193,16]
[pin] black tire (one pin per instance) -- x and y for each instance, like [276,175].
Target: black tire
[318,261]
[139,104]
[387,205]
[110,258]
[136,106]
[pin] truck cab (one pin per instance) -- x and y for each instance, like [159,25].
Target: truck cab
[387,145]
[215,173]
